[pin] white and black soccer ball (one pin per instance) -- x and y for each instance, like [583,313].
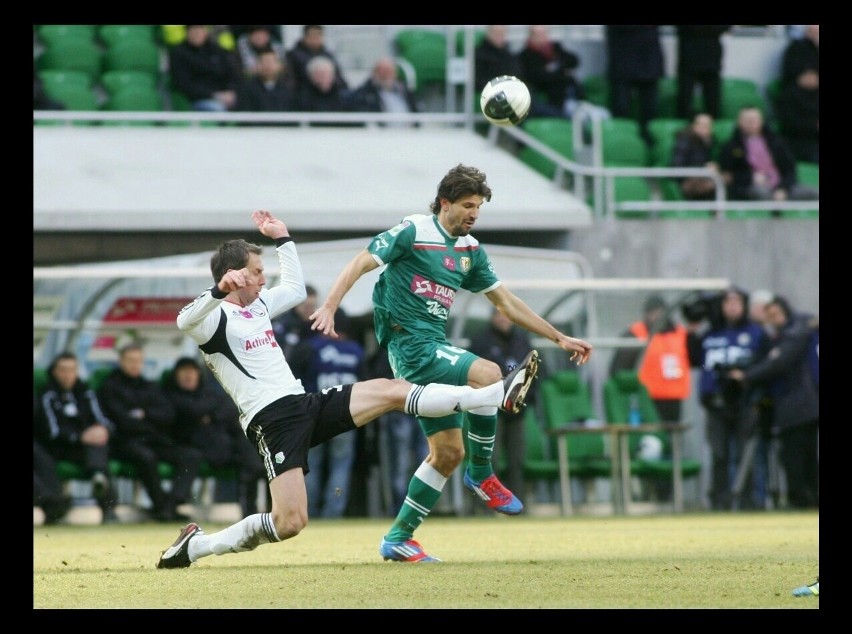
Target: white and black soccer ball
[505,100]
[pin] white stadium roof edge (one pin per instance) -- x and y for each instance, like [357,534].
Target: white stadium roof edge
[93,178]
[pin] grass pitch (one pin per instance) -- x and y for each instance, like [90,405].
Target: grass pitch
[704,560]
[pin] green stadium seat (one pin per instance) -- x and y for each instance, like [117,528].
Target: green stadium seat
[664,132]
[738,93]
[426,51]
[556,133]
[112,34]
[622,144]
[137,55]
[62,78]
[115,81]
[73,97]
[72,54]
[51,34]
[596,88]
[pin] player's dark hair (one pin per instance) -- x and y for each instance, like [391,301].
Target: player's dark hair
[233,254]
[460,182]
[62,356]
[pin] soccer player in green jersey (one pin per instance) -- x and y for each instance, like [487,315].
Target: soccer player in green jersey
[428,259]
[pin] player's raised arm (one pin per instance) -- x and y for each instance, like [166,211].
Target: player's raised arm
[323,317]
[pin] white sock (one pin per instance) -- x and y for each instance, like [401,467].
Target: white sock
[439,399]
[247,534]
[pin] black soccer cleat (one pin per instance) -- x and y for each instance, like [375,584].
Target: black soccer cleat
[177,555]
[517,383]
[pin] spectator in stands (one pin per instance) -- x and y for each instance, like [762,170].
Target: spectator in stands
[493,57]
[403,444]
[256,39]
[203,71]
[634,66]
[695,146]
[322,93]
[757,164]
[787,371]
[801,55]
[322,362]
[699,63]
[383,91]
[764,484]
[797,107]
[48,493]
[309,46]
[548,70]
[269,89]
[663,364]
[144,419]
[206,419]
[293,326]
[506,344]
[73,428]
[721,336]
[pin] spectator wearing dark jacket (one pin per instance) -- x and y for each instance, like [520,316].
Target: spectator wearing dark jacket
[269,89]
[207,419]
[309,46]
[493,57]
[548,69]
[322,93]
[73,428]
[204,72]
[787,371]
[757,164]
[144,420]
[699,63]
[383,91]
[634,66]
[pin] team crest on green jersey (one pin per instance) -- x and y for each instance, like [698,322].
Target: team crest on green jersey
[465,263]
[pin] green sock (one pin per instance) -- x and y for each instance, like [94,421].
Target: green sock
[424,491]
[482,431]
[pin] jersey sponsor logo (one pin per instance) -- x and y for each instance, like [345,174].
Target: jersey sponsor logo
[438,292]
[434,308]
[466,263]
[450,262]
[379,243]
[258,343]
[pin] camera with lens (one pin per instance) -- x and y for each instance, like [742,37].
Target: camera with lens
[704,307]
[728,391]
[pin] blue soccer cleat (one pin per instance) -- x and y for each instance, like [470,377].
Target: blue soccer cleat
[811,590]
[409,551]
[495,495]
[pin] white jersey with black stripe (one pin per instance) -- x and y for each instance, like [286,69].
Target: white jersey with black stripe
[238,344]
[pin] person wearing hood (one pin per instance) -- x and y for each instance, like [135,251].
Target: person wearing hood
[724,339]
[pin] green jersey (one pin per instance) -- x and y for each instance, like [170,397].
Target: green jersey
[425,268]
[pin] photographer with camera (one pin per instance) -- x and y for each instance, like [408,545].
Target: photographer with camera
[723,337]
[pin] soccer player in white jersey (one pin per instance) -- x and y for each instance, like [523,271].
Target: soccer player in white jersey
[428,259]
[231,322]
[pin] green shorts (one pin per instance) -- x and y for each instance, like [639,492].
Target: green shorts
[424,361]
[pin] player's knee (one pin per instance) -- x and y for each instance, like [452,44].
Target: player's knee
[289,524]
[448,457]
[490,373]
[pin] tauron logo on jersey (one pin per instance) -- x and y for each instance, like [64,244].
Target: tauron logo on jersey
[465,263]
[259,342]
[449,262]
[442,294]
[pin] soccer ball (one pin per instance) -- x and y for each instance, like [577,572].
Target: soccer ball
[505,100]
